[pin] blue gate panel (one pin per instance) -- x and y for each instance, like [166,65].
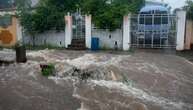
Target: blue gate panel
[95,44]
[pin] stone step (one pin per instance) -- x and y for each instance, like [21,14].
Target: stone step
[77,44]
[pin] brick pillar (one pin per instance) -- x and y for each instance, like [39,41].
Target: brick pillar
[189,33]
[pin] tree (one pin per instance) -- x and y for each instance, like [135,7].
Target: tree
[49,14]
[27,19]
[109,13]
[189,8]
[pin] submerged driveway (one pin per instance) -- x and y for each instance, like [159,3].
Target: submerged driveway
[117,81]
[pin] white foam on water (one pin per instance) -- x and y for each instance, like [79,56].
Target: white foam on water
[91,59]
[127,90]
[40,53]
[59,80]
[140,94]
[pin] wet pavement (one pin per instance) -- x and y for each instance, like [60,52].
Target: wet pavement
[141,80]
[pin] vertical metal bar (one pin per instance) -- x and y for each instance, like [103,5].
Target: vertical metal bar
[161,15]
[137,33]
[144,32]
[81,26]
[76,28]
[168,29]
[152,41]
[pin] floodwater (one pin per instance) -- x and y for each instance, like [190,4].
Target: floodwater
[114,81]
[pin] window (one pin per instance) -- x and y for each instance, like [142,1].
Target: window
[148,19]
[160,17]
[165,19]
[5,21]
[141,19]
[157,19]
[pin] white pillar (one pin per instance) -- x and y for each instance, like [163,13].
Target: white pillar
[68,30]
[88,28]
[19,31]
[181,23]
[126,32]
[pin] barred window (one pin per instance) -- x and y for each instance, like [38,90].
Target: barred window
[5,21]
[159,17]
[7,4]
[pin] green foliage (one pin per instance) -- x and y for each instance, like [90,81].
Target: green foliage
[109,14]
[189,9]
[49,14]
[44,17]
[48,70]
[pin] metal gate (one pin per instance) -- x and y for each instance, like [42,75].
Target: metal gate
[78,25]
[153,31]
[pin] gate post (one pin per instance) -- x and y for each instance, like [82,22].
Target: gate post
[19,31]
[189,32]
[126,32]
[181,23]
[68,30]
[88,27]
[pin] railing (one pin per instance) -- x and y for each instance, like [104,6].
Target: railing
[153,31]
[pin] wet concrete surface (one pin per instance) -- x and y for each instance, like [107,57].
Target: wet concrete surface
[141,80]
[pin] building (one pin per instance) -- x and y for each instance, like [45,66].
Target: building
[10,31]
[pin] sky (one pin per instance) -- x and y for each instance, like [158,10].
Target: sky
[174,3]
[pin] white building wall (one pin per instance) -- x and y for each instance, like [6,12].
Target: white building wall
[107,38]
[52,38]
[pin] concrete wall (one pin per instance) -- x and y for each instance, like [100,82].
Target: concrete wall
[107,39]
[52,38]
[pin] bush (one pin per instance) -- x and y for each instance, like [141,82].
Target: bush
[47,70]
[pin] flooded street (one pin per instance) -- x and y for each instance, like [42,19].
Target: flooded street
[116,81]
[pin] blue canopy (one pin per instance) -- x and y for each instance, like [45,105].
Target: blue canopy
[153,7]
